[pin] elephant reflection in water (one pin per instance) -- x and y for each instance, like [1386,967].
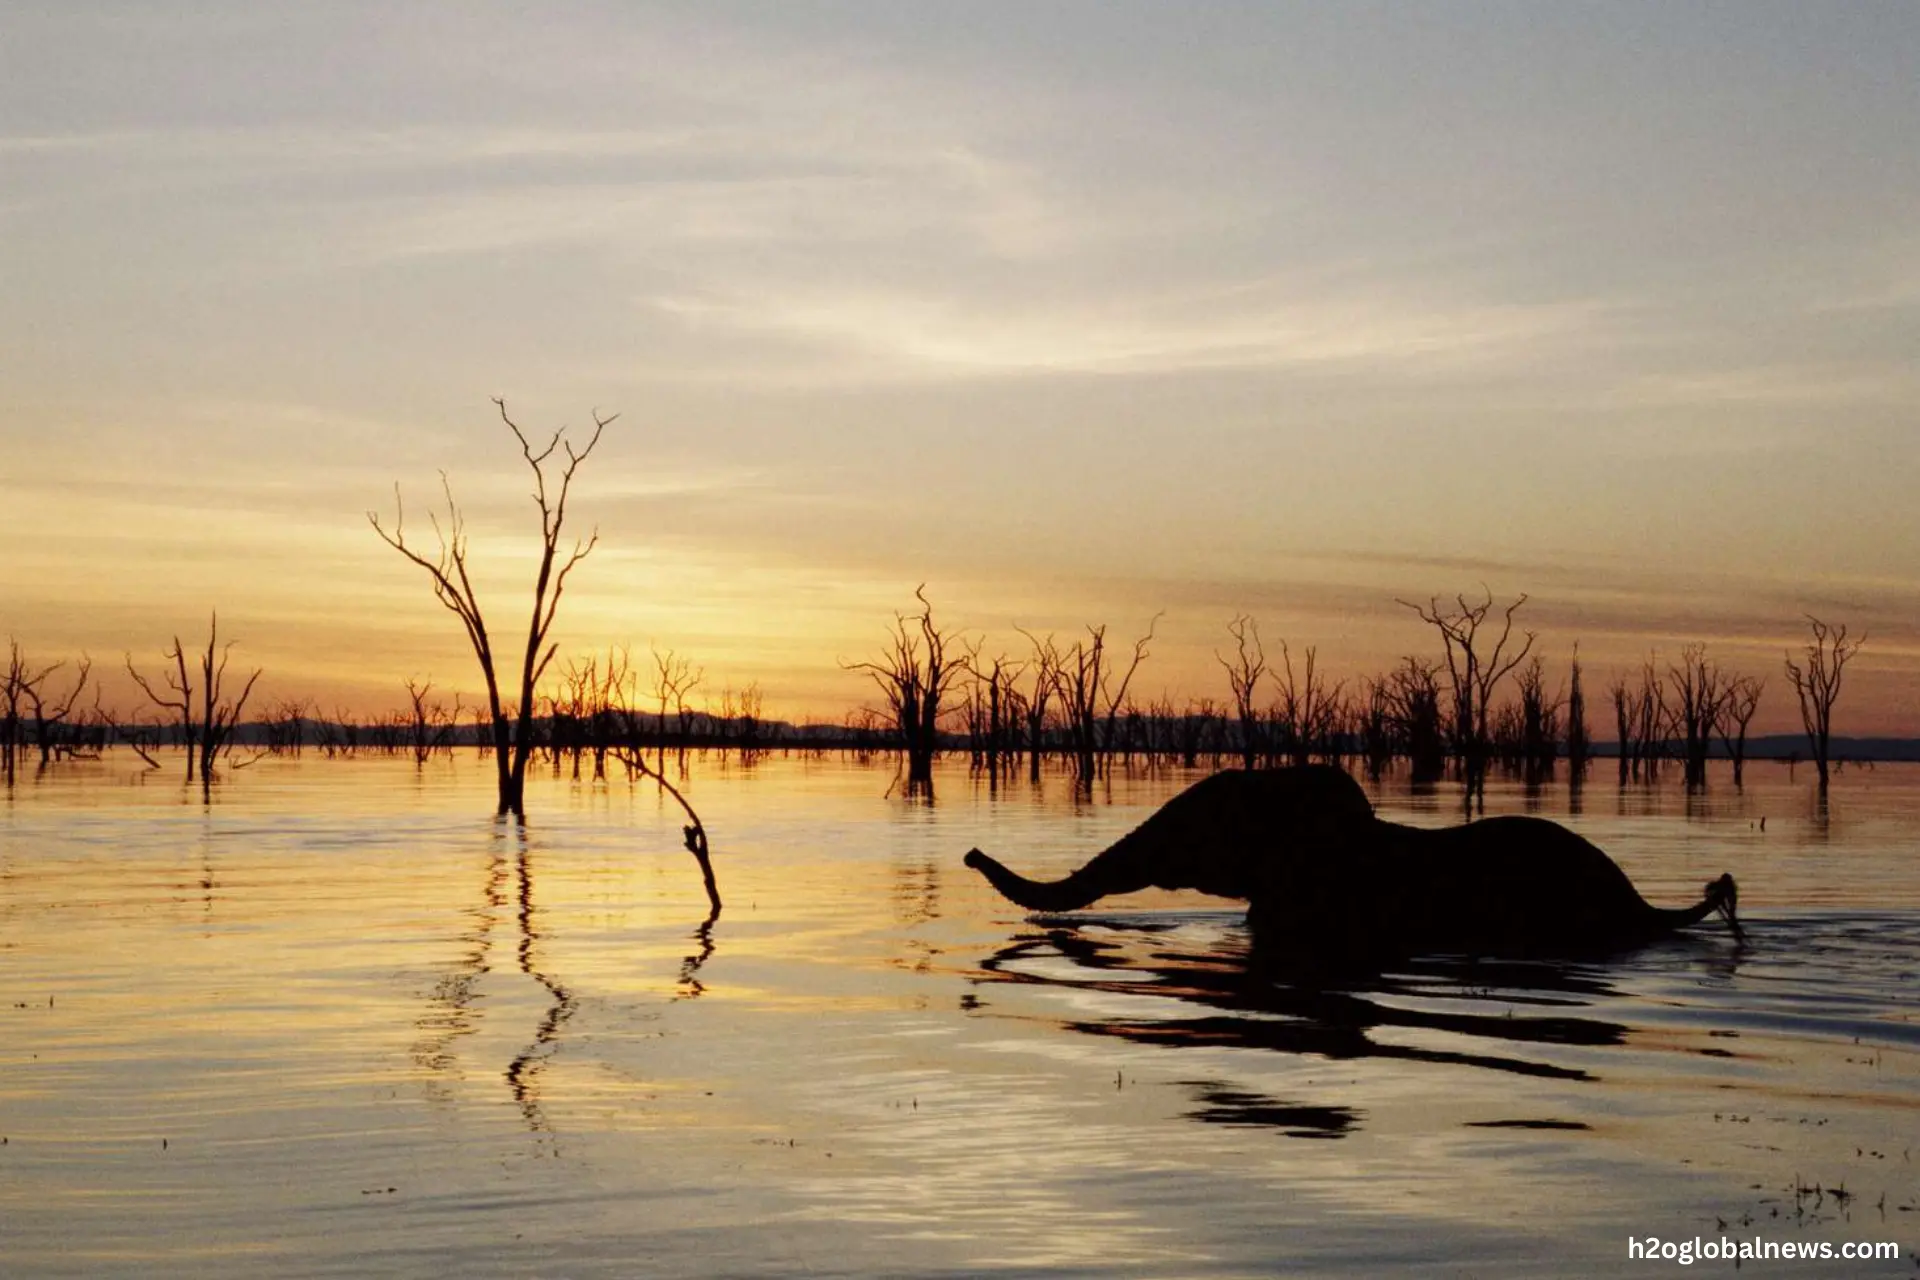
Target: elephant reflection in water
[1216,997]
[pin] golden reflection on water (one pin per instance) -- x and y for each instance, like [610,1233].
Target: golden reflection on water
[343,1020]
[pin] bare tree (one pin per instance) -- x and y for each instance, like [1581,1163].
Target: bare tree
[1622,698]
[1474,674]
[1091,699]
[674,678]
[1700,694]
[1538,723]
[1198,731]
[914,676]
[1046,666]
[24,689]
[746,727]
[1743,699]
[286,726]
[580,712]
[1817,683]
[205,716]
[1115,698]
[1414,696]
[1655,718]
[1643,719]
[993,709]
[1579,742]
[1244,673]
[1375,725]
[430,723]
[512,739]
[1307,713]
[19,686]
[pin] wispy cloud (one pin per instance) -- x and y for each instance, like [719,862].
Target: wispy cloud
[942,336]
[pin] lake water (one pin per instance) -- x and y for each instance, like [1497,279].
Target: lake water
[340,1021]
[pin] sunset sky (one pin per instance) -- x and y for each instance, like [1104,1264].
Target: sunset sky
[1074,312]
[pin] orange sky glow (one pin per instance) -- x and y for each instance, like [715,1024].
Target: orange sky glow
[1075,317]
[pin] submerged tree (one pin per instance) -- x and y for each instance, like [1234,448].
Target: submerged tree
[26,699]
[429,723]
[1090,698]
[1579,740]
[1818,685]
[1306,714]
[1374,725]
[1244,673]
[511,723]
[994,710]
[205,715]
[1538,721]
[1474,672]
[1046,665]
[1743,699]
[914,676]
[1413,691]
[18,682]
[1700,693]
[1643,718]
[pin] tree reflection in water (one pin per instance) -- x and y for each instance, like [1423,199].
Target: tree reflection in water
[523,1073]
[454,1007]
[452,1013]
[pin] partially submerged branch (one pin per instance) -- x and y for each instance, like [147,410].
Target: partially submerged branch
[694,833]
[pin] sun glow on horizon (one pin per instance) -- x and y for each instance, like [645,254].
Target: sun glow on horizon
[1073,317]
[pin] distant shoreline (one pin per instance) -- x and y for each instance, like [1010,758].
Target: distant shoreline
[709,732]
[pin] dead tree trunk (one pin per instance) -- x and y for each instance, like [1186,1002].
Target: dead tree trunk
[51,732]
[1579,743]
[1700,694]
[1818,686]
[1308,710]
[1474,674]
[915,676]
[207,719]
[1244,672]
[1046,684]
[19,684]
[1092,703]
[1743,699]
[1415,687]
[512,731]
[1539,722]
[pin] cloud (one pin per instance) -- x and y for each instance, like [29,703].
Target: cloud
[1237,328]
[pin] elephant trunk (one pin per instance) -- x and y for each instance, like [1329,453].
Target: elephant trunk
[1722,895]
[1082,888]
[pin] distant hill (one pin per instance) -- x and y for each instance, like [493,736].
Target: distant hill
[1789,746]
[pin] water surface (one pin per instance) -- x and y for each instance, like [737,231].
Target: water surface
[341,1021]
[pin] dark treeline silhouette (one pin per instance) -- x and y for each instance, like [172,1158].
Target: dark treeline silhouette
[1486,700]
[582,744]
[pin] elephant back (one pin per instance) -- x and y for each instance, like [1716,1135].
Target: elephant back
[1228,833]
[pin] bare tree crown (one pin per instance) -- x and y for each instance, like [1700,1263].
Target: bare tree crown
[453,588]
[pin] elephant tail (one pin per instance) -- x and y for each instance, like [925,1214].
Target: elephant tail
[1082,888]
[1722,896]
